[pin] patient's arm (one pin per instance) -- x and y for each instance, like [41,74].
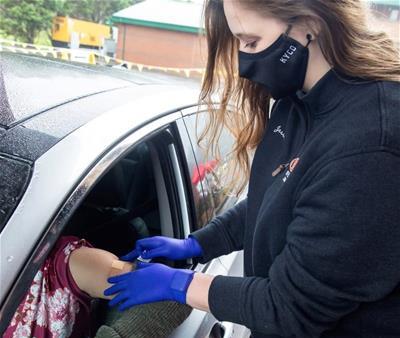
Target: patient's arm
[91,267]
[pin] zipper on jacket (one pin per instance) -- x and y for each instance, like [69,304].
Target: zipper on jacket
[280,168]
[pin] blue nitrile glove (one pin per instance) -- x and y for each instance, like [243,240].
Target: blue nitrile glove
[161,246]
[150,282]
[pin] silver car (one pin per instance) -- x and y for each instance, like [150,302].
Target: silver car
[85,148]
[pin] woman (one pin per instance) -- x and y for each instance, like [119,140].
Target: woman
[57,303]
[320,227]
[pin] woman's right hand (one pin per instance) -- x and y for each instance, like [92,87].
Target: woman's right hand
[161,246]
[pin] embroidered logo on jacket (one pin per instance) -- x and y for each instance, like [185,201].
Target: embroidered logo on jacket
[280,131]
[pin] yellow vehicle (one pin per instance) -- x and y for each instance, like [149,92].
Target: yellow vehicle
[67,31]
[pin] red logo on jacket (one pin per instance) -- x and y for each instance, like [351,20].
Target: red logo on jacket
[293,163]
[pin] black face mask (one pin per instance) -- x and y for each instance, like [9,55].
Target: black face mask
[281,67]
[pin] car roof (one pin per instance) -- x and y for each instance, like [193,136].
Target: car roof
[31,85]
[43,99]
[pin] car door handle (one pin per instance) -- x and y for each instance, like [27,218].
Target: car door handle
[222,330]
[227,329]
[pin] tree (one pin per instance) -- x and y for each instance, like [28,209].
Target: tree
[24,19]
[94,10]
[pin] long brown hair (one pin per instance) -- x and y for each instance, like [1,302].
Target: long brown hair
[345,41]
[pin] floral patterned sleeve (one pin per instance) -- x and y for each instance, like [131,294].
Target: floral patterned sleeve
[54,306]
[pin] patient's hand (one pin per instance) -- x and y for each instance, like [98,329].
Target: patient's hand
[90,268]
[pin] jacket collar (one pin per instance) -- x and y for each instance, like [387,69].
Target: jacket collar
[327,92]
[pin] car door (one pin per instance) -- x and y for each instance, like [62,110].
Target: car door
[104,187]
[100,184]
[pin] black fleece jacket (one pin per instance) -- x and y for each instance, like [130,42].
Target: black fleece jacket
[321,238]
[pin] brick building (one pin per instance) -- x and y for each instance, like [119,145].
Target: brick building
[167,33]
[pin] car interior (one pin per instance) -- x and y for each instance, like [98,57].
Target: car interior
[123,206]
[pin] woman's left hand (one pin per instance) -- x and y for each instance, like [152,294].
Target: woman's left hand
[150,282]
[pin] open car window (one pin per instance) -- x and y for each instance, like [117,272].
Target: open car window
[122,207]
